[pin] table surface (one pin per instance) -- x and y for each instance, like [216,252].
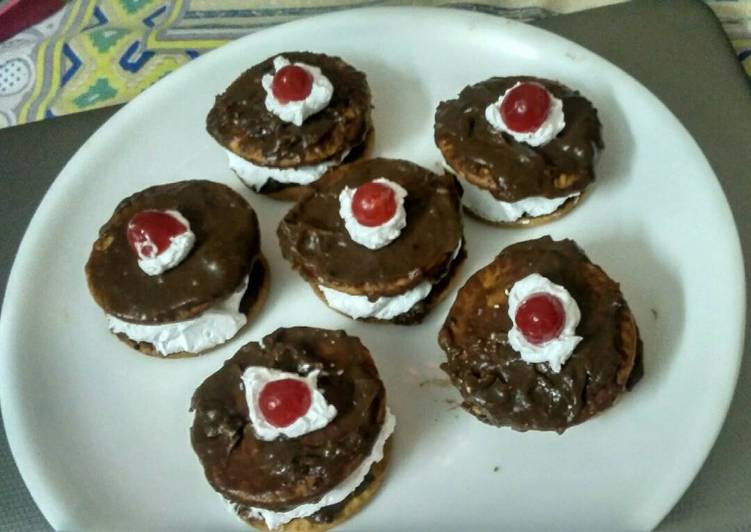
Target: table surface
[676,48]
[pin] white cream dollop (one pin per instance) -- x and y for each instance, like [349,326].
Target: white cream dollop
[319,414]
[274,519]
[209,329]
[380,235]
[553,124]
[180,245]
[297,112]
[255,176]
[485,205]
[558,350]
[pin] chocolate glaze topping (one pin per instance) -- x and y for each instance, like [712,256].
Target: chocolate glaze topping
[227,245]
[240,116]
[512,170]
[284,473]
[313,237]
[502,389]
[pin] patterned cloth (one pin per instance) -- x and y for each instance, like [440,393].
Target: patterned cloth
[95,53]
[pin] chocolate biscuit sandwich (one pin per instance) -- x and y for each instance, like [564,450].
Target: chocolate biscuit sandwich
[540,339]
[178,268]
[288,119]
[377,240]
[523,147]
[294,431]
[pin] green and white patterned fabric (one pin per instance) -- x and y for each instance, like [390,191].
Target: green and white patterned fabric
[95,53]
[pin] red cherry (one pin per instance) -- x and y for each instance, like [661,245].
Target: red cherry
[540,318]
[291,83]
[525,107]
[150,232]
[373,204]
[283,401]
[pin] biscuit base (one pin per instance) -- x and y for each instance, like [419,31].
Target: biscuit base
[293,192]
[353,504]
[530,221]
[252,301]
[422,308]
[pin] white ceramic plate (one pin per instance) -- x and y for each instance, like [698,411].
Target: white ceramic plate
[100,433]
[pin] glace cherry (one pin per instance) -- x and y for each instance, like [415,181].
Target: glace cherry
[283,401]
[150,232]
[373,204]
[525,107]
[540,318]
[291,84]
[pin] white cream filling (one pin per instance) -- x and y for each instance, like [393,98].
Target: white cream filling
[209,329]
[297,111]
[319,414]
[485,205]
[553,124]
[340,492]
[382,308]
[558,350]
[380,235]
[154,264]
[256,176]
